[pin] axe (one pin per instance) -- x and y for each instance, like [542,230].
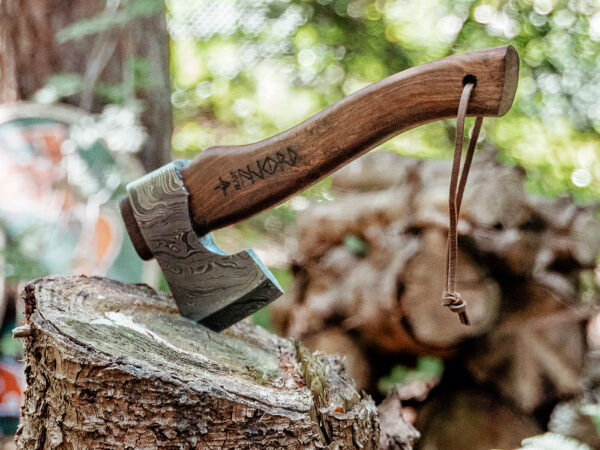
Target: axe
[170,212]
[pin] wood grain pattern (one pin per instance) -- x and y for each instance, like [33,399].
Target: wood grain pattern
[113,366]
[231,183]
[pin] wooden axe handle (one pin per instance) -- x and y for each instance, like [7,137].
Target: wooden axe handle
[231,183]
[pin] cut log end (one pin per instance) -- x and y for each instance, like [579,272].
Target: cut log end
[116,364]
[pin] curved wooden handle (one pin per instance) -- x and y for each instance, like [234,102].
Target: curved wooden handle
[228,184]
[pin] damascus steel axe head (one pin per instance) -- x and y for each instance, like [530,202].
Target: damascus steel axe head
[208,285]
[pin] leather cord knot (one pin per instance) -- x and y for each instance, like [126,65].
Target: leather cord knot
[450,298]
[457,304]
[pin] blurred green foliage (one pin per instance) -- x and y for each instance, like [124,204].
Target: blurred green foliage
[428,369]
[243,70]
[262,317]
[284,277]
[356,245]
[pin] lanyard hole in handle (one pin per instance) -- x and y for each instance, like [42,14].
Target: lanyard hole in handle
[469,79]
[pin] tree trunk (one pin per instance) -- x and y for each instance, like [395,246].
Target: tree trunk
[30,54]
[112,365]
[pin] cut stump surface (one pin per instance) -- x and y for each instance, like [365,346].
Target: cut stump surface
[112,365]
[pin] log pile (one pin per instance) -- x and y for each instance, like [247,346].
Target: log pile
[369,276]
[110,365]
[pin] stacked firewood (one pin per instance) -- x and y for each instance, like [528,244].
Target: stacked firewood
[369,275]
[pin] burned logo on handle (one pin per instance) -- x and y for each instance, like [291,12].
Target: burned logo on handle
[261,169]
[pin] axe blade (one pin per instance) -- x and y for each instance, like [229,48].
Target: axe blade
[208,285]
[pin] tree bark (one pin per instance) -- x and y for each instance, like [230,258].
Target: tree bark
[30,55]
[112,365]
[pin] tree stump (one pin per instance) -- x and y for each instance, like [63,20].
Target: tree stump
[111,365]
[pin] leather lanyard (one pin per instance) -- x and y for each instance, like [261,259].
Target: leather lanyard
[450,297]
